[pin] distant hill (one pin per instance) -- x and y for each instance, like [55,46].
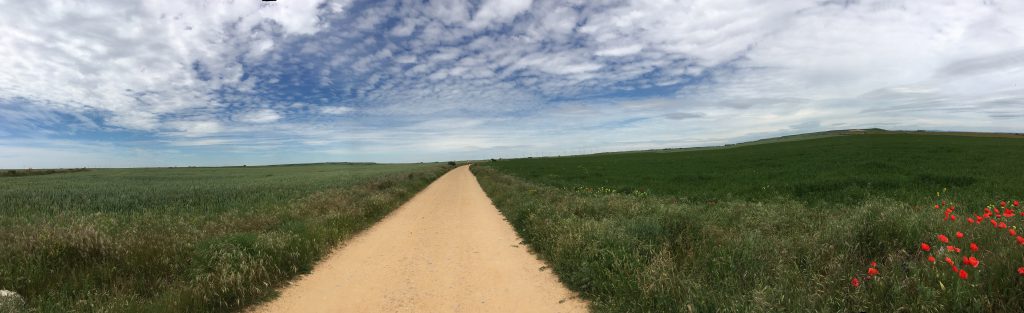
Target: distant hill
[832,133]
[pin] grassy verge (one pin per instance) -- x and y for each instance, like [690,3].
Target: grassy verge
[630,253]
[631,237]
[184,240]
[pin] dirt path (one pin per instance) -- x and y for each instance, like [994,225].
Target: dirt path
[446,250]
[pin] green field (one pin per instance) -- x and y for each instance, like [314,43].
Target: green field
[774,227]
[184,239]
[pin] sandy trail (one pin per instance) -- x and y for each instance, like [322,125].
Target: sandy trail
[446,250]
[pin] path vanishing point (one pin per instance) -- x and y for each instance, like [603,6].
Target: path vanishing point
[446,250]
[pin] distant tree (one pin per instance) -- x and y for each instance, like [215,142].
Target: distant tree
[452,163]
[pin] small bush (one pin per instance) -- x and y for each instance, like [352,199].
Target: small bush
[31,172]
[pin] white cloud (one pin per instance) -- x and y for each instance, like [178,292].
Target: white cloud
[498,11]
[195,128]
[404,29]
[336,110]
[200,142]
[137,61]
[620,51]
[260,116]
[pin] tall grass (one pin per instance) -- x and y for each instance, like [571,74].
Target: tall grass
[630,237]
[184,240]
[628,253]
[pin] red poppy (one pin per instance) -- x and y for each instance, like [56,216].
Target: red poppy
[1020,270]
[1016,203]
[974,247]
[855,282]
[936,206]
[872,271]
[959,235]
[1020,240]
[949,261]
[943,238]
[1013,232]
[963,274]
[1002,224]
[873,264]
[1002,203]
[972,261]
[931,259]
[970,220]
[950,248]
[952,217]
[925,247]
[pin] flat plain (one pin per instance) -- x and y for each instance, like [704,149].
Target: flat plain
[871,221]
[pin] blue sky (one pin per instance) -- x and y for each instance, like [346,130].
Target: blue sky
[175,83]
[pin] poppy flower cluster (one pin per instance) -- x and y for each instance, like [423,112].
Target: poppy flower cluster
[997,216]
[871,273]
[971,261]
